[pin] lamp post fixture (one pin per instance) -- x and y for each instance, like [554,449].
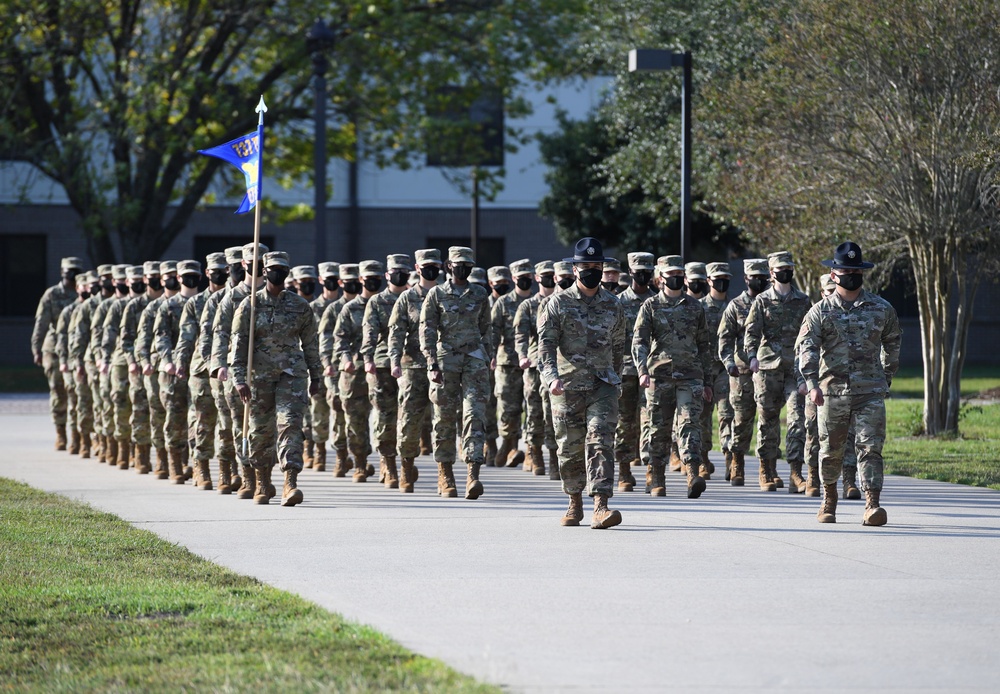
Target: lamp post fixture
[319,39]
[654,60]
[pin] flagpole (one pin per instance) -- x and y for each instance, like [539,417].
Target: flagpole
[261,110]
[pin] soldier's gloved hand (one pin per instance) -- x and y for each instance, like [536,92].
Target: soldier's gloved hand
[314,388]
[557,387]
[816,395]
[524,363]
[396,372]
[370,367]
[436,377]
[133,368]
[222,374]
[147,370]
[644,381]
[707,393]
[754,365]
[244,391]
[734,371]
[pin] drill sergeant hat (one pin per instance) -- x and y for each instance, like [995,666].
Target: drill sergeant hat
[848,257]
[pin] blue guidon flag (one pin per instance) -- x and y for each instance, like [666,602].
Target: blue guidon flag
[244,154]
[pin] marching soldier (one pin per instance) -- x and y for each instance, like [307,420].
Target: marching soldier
[849,354]
[304,279]
[43,341]
[509,377]
[714,304]
[328,399]
[672,352]
[455,340]
[581,345]
[285,352]
[611,275]
[383,387]
[350,284]
[565,278]
[109,445]
[82,356]
[734,358]
[409,365]
[66,368]
[632,401]
[696,279]
[771,330]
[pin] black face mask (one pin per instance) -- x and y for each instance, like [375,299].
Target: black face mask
[121,288]
[190,281]
[307,287]
[108,284]
[331,284]
[758,284]
[352,287]
[373,284]
[501,289]
[642,277]
[591,277]
[610,286]
[851,283]
[721,285]
[674,282]
[155,284]
[172,284]
[85,294]
[784,276]
[71,275]
[566,282]
[430,272]
[698,286]
[95,289]
[524,283]
[461,272]
[238,273]
[138,287]
[218,277]
[277,276]
[547,281]
[399,279]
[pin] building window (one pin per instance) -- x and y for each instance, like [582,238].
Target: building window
[22,273]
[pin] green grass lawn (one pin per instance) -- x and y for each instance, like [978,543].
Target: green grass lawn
[909,381]
[90,603]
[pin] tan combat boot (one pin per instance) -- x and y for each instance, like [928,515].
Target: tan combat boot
[538,462]
[308,454]
[473,487]
[344,463]
[626,481]
[225,476]
[778,482]
[516,455]
[391,474]
[874,514]
[142,465]
[828,511]
[707,468]
[796,485]
[695,480]
[124,454]
[500,459]
[447,484]
[529,461]
[262,494]
[99,447]
[850,476]
[739,470]
[812,481]
[360,472]
[249,486]
[291,494]
[574,514]
[84,445]
[162,465]
[206,475]
[319,456]
[764,478]
[656,478]
[176,466]
[74,442]
[729,463]
[603,516]
[186,457]
[406,478]
[490,452]
[676,464]
[554,464]
[60,437]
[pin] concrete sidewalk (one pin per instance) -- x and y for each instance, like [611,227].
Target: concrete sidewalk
[737,591]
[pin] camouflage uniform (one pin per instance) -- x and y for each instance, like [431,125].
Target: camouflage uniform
[671,345]
[43,344]
[80,355]
[716,377]
[770,332]
[149,361]
[131,319]
[455,341]
[327,400]
[104,408]
[348,273]
[114,355]
[66,371]
[509,378]
[850,351]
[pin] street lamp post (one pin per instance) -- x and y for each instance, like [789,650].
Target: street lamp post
[653,60]
[319,39]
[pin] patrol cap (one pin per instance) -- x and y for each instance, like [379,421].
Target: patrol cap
[521,267]
[105,269]
[498,273]
[88,278]
[398,261]
[151,267]
[349,271]
[426,256]
[641,261]
[366,268]
[754,266]
[300,272]
[544,267]
[189,267]
[695,271]
[717,269]
[780,259]
[668,263]
[118,272]
[234,254]
[72,263]
[478,275]
[563,268]
[461,254]
[216,261]
[826,284]
[329,269]
[134,272]
[168,267]
[612,265]
[275,258]
[247,251]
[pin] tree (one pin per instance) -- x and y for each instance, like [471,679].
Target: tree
[889,122]
[112,99]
